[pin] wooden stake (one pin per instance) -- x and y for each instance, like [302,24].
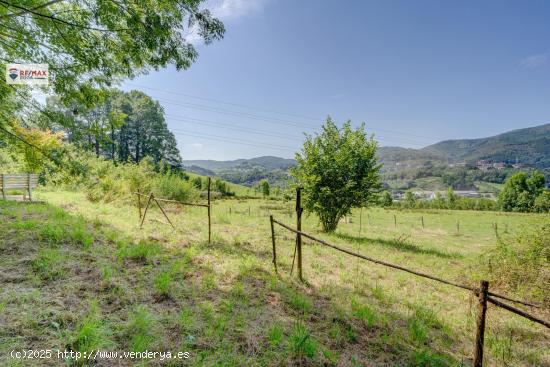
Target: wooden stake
[163,212]
[273,242]
[29,188]
[299,210]
[422,218]
[145,212]
[480,323]
[395,221]
[209,213]
[3,186]
[360,220]
[139,203]
[457,226]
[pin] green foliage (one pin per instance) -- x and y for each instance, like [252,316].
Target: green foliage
[121,126]
[92,333]
[410,200]
[171,186]
[542,202]
[338,171]
[521,191]
[264,187]
[301,342]
[142,251]
[386,199]
[162,283]
[451,198]
[522,264]
[48,264]
[141,329]
[222,187]
[92,45]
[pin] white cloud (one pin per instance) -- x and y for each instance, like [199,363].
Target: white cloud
[227,10]
[535,61]
[233,9]
[197,146]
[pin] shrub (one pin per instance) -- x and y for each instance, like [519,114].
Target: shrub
[170,186]
[522,265]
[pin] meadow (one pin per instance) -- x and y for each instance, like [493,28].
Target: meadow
[82,276]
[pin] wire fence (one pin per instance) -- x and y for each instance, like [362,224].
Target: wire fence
[482,293]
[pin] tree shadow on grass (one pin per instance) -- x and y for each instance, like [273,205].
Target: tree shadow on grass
[398,244]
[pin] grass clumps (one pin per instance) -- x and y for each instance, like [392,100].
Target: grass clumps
[522,265]
[91,333]
[163,284]
[143,251]
[142,329]
[48,264]
[301,343]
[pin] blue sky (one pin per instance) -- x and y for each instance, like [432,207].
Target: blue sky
[415,71]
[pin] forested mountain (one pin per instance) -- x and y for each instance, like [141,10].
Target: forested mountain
[530,146]
[245,171]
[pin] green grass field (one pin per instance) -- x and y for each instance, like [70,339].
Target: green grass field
[82,276]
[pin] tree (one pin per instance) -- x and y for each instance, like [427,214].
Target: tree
[386,199]
[264,187]
[122,126]
[451,198]
[338,170]
[520,192]
[89,45]
[542,202]
[410,200]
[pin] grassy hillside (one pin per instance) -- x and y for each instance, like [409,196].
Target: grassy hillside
[82,276]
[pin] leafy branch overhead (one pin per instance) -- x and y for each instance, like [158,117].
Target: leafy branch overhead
[91,44]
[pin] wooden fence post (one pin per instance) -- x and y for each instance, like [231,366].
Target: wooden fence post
[29,187]
[3,186]
[164,213]
[145,212]
[209,212]
[360,220]
[273,242]
[139,203]
[457,226]
[422,218]
[480,323]
[395,221]
[299,228]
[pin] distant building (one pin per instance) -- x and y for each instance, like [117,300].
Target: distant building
[499,165]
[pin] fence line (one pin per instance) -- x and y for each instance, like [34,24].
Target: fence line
[151,197]
[380,262]
[482,292]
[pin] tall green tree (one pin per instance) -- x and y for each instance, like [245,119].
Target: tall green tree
[386,199]
[122,126]
[451,198]
[520,191]
[264,187]
[338,170]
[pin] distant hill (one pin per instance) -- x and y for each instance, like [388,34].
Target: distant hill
[530,146]
[266,162]
[428,168]
[245,171]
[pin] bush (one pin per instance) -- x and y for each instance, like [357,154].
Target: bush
[523,265]
[170,186]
